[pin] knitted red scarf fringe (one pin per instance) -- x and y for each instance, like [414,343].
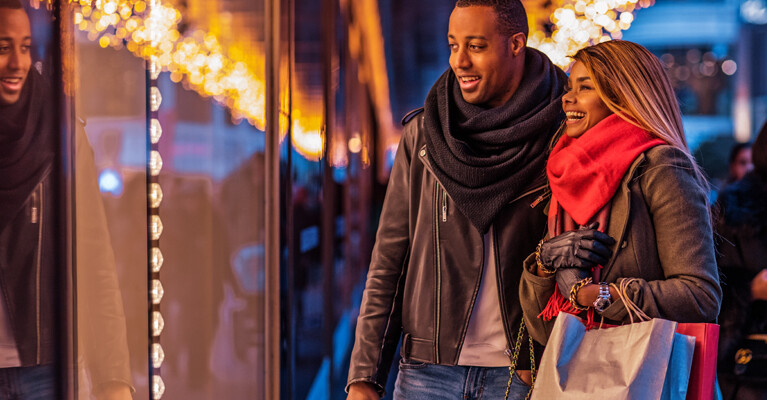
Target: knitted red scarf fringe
[584,174]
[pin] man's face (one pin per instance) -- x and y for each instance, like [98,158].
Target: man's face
[481,57]
[15,58]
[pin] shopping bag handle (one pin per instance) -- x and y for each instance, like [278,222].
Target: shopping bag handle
[631,307]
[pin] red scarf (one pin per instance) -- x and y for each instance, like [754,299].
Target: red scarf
[584,174]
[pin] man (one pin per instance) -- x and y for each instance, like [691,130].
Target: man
[462,211]
[29,266]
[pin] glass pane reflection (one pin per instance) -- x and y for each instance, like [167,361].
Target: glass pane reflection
[32,260]
[110,220]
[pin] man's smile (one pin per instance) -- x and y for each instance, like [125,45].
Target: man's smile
[468,82]
[12,84]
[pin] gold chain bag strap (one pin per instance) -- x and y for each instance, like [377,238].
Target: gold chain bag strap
[515,359]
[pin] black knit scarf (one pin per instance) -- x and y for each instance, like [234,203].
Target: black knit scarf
[26,145]
[485,157]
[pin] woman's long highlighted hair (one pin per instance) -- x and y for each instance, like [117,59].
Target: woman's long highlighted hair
[632,83]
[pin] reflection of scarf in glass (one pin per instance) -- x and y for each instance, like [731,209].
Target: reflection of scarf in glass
[584,174]
[26,145]
[486,157]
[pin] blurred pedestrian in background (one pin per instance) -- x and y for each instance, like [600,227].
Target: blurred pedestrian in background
[742,256]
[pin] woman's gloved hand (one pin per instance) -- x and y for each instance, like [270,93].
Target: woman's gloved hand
[567,277]
[585,248]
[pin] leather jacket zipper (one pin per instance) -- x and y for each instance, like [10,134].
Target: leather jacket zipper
[444,205]
[33,217]
[546,194]
[438,268]
[537,200]
[35,212]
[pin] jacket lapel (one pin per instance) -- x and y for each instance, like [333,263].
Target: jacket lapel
[620,211]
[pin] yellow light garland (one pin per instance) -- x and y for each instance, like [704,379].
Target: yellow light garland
[197,58]
[582,23]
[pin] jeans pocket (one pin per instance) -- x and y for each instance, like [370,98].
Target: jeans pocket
[410,364]
[519,380]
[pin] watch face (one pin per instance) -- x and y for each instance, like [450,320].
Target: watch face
[601,304]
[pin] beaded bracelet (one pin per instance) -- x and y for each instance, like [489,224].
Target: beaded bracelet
[538,261]
[574,294]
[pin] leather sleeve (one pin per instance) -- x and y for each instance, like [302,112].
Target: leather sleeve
[380,319]
[679,211]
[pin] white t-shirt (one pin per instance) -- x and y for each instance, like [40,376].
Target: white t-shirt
[485,342]
[9,353]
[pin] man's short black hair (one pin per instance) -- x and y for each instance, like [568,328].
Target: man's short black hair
[510,14]
[14,4]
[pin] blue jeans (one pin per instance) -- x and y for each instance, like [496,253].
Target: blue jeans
[419,381]
[28,383]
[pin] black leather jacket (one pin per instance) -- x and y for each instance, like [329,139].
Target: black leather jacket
[28,240]
[426,268]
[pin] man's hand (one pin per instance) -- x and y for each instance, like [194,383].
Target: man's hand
[759,286]
[584,248]
[362,391]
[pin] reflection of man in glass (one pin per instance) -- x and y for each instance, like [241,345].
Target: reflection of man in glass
[29,267]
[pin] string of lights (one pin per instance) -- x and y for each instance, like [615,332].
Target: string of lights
[197,58]
[581,23]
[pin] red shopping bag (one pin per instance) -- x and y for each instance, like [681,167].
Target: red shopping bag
[703,371]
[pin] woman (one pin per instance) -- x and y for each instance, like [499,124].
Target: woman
[742,254]
[628,201]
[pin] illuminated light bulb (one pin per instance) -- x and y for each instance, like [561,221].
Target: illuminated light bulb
[155,163]
[158,323]
[600,7]
[581,37]
[156,227]
[155,195]
[158,387]
[603,20]
[157,291]
[110,8]
[154,68]
[155,130]
[155,98]
[158,355]
[157,259]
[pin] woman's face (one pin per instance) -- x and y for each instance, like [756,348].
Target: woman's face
[583,106]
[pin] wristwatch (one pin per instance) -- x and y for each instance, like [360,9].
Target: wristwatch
[603,298]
